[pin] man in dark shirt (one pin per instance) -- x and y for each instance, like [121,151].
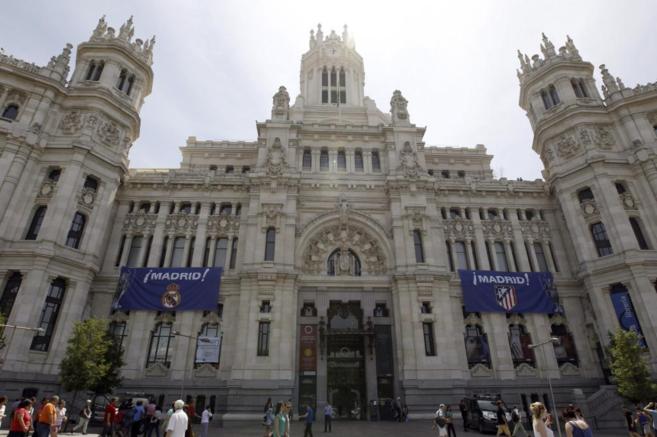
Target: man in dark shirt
[309,419]
[502,425]
[464,414]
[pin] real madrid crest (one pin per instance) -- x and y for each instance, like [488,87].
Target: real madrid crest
[171,297]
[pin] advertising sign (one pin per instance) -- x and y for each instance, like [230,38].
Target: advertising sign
[168,289]
[508,292]
[624,308]
[207,349]
[308,348]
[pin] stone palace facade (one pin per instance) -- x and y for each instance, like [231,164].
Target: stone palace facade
[339,230]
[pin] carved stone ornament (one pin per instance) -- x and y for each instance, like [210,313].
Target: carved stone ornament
[281,104]
[535,229]
[548,155]
[497,229]
[408,161]
[416,216]
[157,370]
[47,189]
[589,208]
[181,223]
[271,214]
[398,106]
[481,371]
[109,133]
[205,370]
[276,163]
[139,223]
[567,147]
[71,122]
[524,369]
[629,203]
[223,225]
[569,369]
[353,237]
[458,229]
[604,138]
[585,136]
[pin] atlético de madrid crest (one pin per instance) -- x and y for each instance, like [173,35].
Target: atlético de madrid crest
[506,296]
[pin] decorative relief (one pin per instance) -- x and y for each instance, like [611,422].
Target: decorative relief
[408,163]
[109,133]
[271,214]
[399,105]
[71,122]
[181,223]
[629,203]
[223,225]
[524,369]
[497,229]
[535,229]
[481,371]
[139,223]
[569,369]
[567,147]
[344,237]
[416,217]
[276,163]
[589,208]
[547,156]
[603,137]
[458,229]
[87,197]
[205,370]
[157,370]
[47,190]
[104,129]
[17,96]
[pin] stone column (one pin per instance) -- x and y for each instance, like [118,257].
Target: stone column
[126,250]
[315,164]
[452,253]
[468,248]
[351,167]
[169,252]
[532,255]
[509,255]
[367,161]
[201,235]
[61,206]
[644,299]
[144,248]
[12,163]
[491,249]
[547,250]
[333,160]
[158,236]
[186,249]
[116,235]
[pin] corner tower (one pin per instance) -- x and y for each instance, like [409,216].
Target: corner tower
[332,72]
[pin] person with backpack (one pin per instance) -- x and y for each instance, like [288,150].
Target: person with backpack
[517,428]
[85,417]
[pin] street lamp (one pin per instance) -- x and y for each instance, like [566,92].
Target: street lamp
[15,327]
[552,340]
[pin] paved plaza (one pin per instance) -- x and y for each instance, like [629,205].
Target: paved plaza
[419,428]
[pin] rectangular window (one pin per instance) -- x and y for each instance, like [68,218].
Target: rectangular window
[178,252]
[233,254]
[263,339]
[500,257]
[270,244]
[54,299]
[323,160]
[429,341]
[160,346]
[358,160]
[540,258]
[334,96]
[324,96]
[461,255]
[135,249]
[118,332]
[343,96]
[638,233]
[220,252]
[601,240]
[419,250]
[342,160]
[307,159]
[376,161]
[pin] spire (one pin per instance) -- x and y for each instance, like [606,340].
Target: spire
[320,34]
[572,50]
[105,34]
[610,85]
[127,30]
[547,47]
[524,62]
[100,29]
[345,34]
[312,43]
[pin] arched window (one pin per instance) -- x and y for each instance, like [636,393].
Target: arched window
[579,87]
[342,160]
[49,313]
[540,258]
[209,335]
[600,239]
[342,262]
[343,89]
[376,161]
[307,159]
[500,257]
[519,341]
[54,174]
[546,99]
[270,244]
[225,208]
[233,254]
[585,194]
[221,248]
[238,209]
[35,225]
[178,252]
[325,86]
[334,86]
[160,345]
[131,83]
[91,183]
[123,76]
[358,160]
[476,346]
[91,70]
[323,160]
[135,250]
[417,243]
[564,350]
[638,233]
[9,293]
[10,112]
[553,95]
[98,71]
[75,232]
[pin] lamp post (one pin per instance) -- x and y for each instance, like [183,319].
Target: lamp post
[552,340]
[15,327]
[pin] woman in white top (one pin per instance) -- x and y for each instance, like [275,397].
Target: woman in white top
[539,415]
[61,415]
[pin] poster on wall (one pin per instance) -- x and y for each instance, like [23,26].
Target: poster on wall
[168,289]
[508,292]
[622,301]
[208,349]
[308,348]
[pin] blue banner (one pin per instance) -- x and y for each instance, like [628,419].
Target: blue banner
[508,292]
[176,289]
[627,317]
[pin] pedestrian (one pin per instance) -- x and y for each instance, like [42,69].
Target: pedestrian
[440,421]
[3,409]
[136,415]
[205,421]
[539,416]
[47,425]
[178,422]
[61,415]
[290,411]
[576,426]
[85,416]
[644,422]
[35,416]
[449,417]
[154,419]
[109,418]
[630,421]
[502,422]
[309,418]
[268,418]
[517,428]
[396,406]
[404,411]
[328,417]
[651,410]
[463,408]
[21,421]
[281,421]
[288,414]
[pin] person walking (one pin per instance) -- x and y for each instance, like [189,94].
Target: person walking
[502,422]
[449,418]
[268,418]
[205,421]
[137,415]
[309,418]
[178,422]
[328,417]
[539,416]
[644,422]
[576,426]
[281,421]
[463,408]
[109,418]
[440,421]
[3,409]
[631,422]
[61,415]
[517,428]
[21,421]
[47,425]
[154,420]
[85,416]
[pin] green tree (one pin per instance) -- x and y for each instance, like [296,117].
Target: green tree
[114,358]
[629,367]
[85,362]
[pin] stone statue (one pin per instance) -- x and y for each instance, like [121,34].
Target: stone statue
[100,29]
[281,105]
[398,108]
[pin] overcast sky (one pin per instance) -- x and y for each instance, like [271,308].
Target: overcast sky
[218,63]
